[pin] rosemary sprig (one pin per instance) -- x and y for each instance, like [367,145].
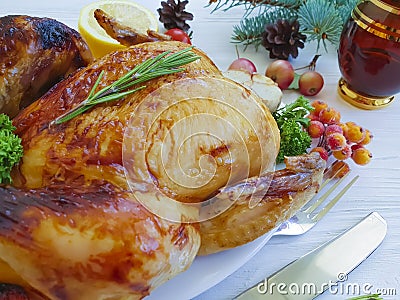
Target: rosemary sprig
[163,64]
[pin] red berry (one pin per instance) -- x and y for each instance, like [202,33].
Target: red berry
[318,106]
[313,117]
[332,129]
[344,129]
[336,141]
[329,116]
[355,133]
[316,129]
[354,147]
[361,156]
[343,153]
[367,138]
[310,83]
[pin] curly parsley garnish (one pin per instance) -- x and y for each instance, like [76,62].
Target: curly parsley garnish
[11,149]
[292,123]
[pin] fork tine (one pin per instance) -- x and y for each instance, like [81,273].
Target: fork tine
[323,211]
[321,199]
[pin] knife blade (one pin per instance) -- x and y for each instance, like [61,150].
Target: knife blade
[325,266]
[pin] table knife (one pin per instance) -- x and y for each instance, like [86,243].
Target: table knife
[323,268]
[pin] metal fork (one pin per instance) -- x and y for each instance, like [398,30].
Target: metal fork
[308,216]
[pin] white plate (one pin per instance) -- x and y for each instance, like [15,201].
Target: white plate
[207,271]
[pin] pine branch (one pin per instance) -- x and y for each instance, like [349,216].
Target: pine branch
[251,5]
[250,30]
[345,7]
[320,21]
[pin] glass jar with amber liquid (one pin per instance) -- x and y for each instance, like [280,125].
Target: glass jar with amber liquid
[369,54]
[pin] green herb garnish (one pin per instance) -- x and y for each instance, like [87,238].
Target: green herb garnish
[292,122]
[11,149]
[162,64]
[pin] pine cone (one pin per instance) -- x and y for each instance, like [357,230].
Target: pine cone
[173,15]
[283,39]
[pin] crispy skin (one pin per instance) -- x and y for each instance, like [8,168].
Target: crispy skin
[91,243]
[289,190]
[90,147]
[35,53]
[125,35]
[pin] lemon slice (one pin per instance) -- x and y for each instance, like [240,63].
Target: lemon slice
[126,12]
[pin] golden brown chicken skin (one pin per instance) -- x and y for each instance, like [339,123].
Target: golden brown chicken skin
[89,243]
[35,53]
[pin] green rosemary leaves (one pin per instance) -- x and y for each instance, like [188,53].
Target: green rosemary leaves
[163,64]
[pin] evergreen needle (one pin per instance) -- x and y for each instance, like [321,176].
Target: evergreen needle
[163,64]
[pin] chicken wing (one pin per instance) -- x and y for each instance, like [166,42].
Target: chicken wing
[35,53]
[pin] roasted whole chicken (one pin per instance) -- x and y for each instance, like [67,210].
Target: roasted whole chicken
[35,53]
[120,199]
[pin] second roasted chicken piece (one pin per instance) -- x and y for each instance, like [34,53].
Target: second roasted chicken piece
[35,53]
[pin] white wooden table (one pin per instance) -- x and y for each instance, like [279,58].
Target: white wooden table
[378,188]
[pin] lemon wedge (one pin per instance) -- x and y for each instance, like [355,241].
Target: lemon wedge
[127,13]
